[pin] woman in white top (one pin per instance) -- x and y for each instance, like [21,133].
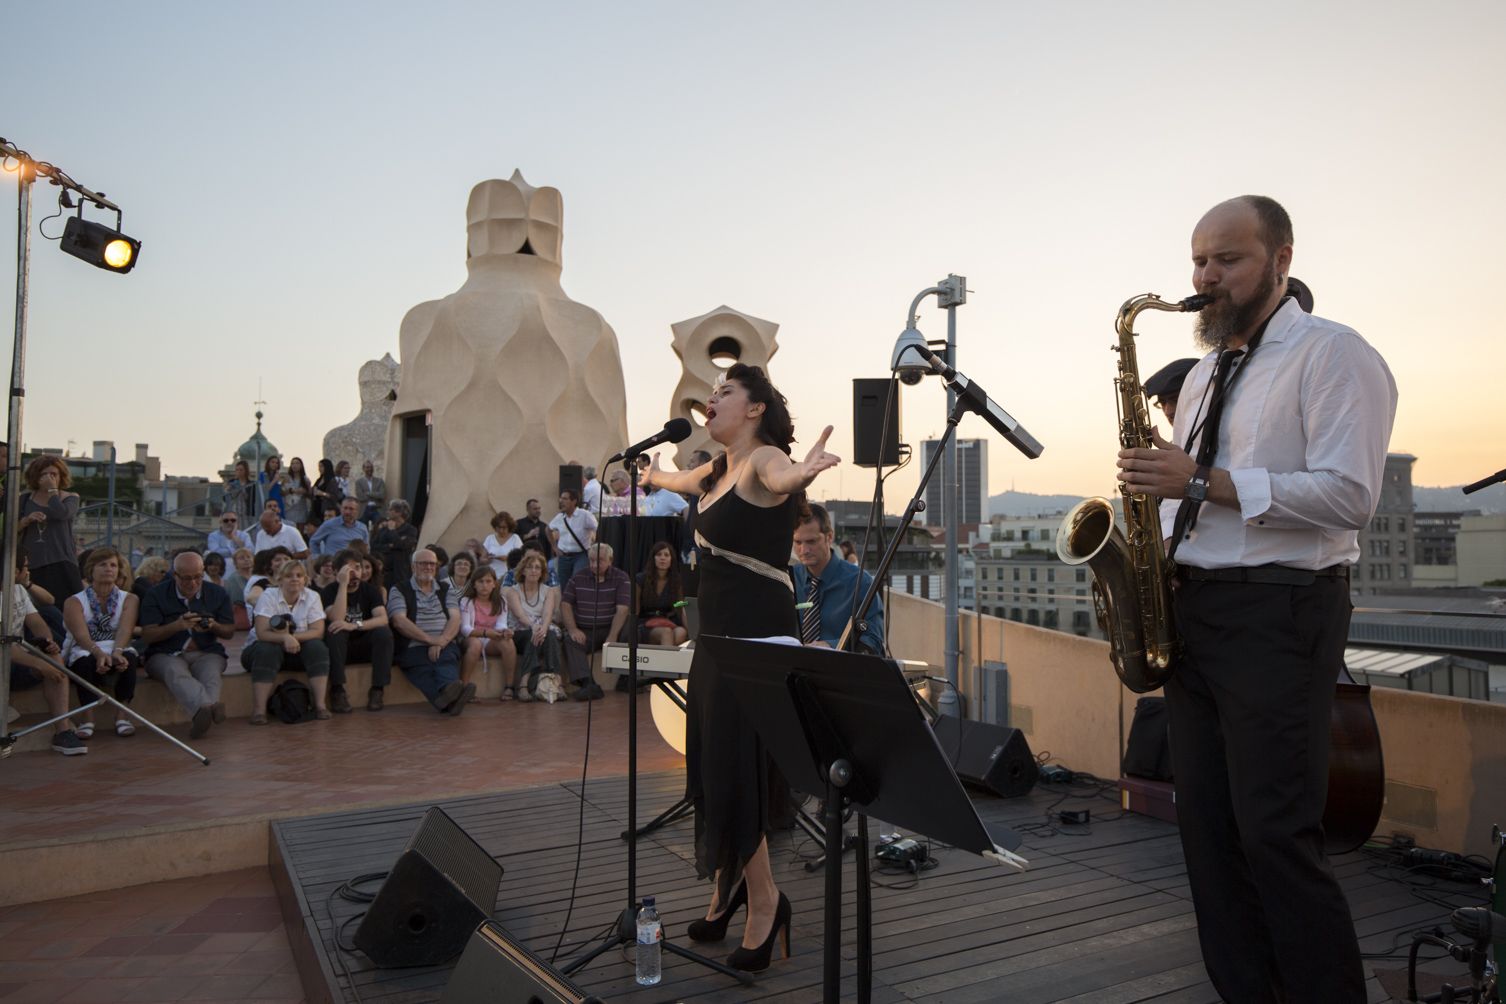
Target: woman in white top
[534,605]
[296,641]
[100,620]
[503,541]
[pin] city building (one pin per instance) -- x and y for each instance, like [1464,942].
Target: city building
[1386,557]
[972,479]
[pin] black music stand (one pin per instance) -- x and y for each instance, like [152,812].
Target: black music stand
[846,727]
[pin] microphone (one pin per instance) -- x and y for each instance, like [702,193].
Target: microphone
[1495,478]
[975,400]
[676,430]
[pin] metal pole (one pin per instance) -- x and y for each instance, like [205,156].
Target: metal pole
[950,514]
[26,176]
[110,508]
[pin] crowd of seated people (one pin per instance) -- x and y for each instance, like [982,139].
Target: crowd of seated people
[313,575]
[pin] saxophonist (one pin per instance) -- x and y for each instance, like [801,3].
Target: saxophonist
[1279,447]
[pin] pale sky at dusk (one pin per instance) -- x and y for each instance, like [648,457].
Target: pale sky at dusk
[298,177]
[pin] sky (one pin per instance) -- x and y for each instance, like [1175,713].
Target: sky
[298,177]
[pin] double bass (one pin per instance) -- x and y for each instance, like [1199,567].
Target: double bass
[1356,769]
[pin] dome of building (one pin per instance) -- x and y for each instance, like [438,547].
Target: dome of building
[257,449]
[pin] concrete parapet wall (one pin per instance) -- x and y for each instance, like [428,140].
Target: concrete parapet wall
[1445,756]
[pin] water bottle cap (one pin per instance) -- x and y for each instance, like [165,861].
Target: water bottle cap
[648,901]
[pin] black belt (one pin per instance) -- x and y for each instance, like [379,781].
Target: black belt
[1271,575]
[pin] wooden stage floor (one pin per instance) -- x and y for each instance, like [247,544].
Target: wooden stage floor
[1103,915]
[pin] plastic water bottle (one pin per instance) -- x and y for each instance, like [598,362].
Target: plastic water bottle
[650,933]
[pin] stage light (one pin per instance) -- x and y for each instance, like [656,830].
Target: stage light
[99,245]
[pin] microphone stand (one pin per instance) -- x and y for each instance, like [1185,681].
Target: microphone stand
[625,931]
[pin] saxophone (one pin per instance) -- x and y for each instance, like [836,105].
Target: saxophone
[1131,577]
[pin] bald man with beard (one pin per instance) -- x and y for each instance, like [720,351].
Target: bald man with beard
[1276,463]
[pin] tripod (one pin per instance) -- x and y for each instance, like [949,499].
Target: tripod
[625,929]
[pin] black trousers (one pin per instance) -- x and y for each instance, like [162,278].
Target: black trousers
[1249,709]
[122,683]
[374,646]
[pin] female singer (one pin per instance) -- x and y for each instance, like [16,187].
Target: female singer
[750,498]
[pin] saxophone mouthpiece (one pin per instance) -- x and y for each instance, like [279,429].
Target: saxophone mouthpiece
[1195,303]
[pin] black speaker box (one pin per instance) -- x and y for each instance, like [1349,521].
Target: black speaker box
[573,478]
[442,886]
[495,969]
[874,442]
[988,756]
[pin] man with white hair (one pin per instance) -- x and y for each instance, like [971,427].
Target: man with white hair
[425,614]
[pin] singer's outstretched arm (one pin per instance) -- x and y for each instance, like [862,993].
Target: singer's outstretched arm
[680,482]
[783,476]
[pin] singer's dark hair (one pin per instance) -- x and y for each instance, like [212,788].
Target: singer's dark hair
[1275,224]
[775,426]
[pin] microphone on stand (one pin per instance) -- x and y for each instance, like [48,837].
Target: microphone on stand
[978,402]
[676,430]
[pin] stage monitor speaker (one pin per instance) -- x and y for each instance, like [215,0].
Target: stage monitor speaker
[495,969]
[573,478]
[442,885]
[991,757]
[873,442]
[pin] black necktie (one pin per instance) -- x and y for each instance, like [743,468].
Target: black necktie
[810,624]
[1207,448]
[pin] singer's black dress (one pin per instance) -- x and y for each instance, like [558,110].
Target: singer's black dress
[745,592]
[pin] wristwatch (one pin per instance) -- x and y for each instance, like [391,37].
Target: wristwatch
[1197,485]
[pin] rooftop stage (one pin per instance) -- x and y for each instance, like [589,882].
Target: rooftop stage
[1103,914]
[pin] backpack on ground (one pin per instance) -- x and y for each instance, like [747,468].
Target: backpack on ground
[291,701]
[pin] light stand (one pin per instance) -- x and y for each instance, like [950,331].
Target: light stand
[950,293]
[625,930]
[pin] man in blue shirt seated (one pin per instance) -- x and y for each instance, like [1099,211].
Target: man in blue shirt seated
[827,587]
[338,532]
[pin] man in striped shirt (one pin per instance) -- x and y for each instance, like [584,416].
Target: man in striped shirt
[595,607]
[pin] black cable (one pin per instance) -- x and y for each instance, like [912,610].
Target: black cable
[580,828]
[329,908]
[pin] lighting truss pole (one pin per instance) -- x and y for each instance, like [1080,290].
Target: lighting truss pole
[951,293]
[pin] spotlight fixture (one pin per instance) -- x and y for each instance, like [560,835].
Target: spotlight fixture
[99,245]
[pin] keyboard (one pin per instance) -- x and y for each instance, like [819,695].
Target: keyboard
[668,662]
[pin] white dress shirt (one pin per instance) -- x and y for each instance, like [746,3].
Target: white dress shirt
[1303,437]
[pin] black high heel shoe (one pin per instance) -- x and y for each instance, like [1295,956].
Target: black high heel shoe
[716,930]
[756,960]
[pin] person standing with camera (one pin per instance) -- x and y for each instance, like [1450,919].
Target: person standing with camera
[184,621]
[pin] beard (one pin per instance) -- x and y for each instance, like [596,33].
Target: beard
[1225,318]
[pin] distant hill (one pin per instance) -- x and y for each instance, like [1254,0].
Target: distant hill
[1487,500]
[1026,504]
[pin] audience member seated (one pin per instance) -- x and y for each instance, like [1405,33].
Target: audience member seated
[395,541]
[425,621]
[149,572]
[235,585]
[276,533]
[101,619]
[357,630]
[484,626]
[616,501]
[339,531]
[532,529]
[459,572]
[502,541]
[660,618]
[371,493]
[287,634]
[570,532]
[27,670]
[510,579]
[371,571]
[183,621]
[214,569]
[476,551]
[662,502]
[443,556]
[831,587]
[228,538]
[533,605]
[45,603]
[264,566]
[595,606]
[322,571]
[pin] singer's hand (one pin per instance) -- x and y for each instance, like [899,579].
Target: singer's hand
[818,460]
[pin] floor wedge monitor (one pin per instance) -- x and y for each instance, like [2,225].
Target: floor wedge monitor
[441,887]
[495,969]
[991,757]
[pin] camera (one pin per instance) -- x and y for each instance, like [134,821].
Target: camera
[280,622]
